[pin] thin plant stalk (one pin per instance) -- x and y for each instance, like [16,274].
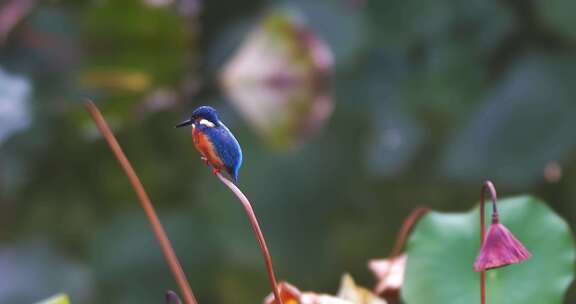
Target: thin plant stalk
[405,230]
[257,232]
[145,202]
[407,226]
[488,185]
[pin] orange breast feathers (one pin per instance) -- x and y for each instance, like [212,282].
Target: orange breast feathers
[205,147]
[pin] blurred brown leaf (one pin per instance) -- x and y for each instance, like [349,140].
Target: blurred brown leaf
[359,295]
[348,293]
[389,272]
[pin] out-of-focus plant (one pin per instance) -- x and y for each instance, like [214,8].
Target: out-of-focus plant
[390,271]
[11,12]
[443,248]
[14,104]
[28,269]
[172,298]
[536,90]
[348,293]
[128,58]
[145,203]
[279,79]
[57,299]
[390,275]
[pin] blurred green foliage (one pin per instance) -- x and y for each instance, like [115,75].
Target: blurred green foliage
[430,98]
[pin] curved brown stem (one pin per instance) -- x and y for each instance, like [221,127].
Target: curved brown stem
[488,185]
[145,202]
[407,226]
[257,232]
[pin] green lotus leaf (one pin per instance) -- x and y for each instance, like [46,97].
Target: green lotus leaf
[443,247]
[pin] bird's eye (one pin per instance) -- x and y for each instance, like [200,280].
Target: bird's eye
[206,123]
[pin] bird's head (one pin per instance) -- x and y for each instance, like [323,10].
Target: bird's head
[202,115]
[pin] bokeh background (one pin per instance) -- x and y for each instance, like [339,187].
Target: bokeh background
[365,110]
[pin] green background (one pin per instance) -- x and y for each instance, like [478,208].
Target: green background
[430,98]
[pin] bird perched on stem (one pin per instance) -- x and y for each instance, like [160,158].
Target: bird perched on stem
[217,145]
[220,150]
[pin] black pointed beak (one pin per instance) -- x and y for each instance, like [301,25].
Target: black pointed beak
[185,123]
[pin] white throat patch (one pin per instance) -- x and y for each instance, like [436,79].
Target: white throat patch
[206,123]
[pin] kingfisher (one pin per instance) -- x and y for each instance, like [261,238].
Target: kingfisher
[217,145]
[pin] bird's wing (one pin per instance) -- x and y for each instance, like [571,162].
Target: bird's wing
[227,147]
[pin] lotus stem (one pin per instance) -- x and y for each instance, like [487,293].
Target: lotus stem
[405,230]
[145,203]
[488,185]
[407,226]
[257,232]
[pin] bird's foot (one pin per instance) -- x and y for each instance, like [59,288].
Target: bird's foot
[215,171]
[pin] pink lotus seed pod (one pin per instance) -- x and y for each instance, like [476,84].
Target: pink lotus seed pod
[500,248]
